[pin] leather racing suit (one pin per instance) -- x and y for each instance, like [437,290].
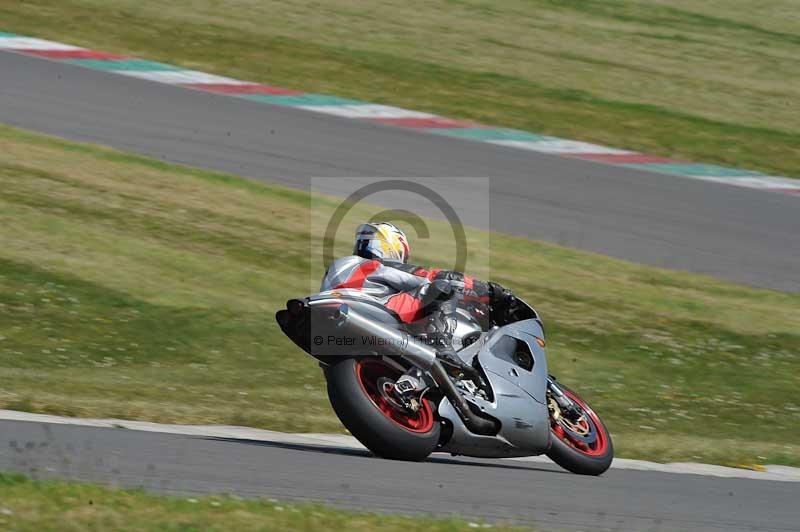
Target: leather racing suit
[427,299]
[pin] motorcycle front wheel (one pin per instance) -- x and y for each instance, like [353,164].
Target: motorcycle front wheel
[583,445]
[389,431]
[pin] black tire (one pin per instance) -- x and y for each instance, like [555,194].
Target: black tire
[364,419]
[591,462]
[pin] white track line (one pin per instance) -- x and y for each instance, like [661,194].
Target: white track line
[557,146]
[174,77]
[340,441]
[367,110]
[30,43]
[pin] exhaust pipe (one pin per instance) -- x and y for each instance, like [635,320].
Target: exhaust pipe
[402,344]
[392,340]
[475,423]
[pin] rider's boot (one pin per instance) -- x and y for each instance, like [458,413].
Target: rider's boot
[455,366]
[440,327]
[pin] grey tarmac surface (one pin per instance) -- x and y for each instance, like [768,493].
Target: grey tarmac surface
[527,493]
[743,235]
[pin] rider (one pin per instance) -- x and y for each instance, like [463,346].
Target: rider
[379,268]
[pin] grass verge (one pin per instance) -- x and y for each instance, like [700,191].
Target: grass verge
[27,505]
[699,81]
[136,289]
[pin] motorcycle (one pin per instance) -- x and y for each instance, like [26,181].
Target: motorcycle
[391,392]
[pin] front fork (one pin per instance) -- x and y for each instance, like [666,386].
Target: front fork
[566,404]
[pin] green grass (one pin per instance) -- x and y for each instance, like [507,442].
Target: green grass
[27,505]
[707,81]
[135,289]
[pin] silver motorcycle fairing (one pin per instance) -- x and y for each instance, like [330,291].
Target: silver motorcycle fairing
[519,401]
[534,382]
[518,396]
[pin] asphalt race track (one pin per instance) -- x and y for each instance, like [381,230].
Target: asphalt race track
[744,235]
[520,492]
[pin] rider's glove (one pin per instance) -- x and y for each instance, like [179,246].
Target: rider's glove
[456,280]
[440,290]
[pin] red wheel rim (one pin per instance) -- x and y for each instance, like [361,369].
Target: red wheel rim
[369,371]
[596,448]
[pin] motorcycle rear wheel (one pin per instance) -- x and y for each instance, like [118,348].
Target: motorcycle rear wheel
[568,451]
[387,431]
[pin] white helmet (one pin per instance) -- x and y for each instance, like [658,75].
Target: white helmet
[381,240]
